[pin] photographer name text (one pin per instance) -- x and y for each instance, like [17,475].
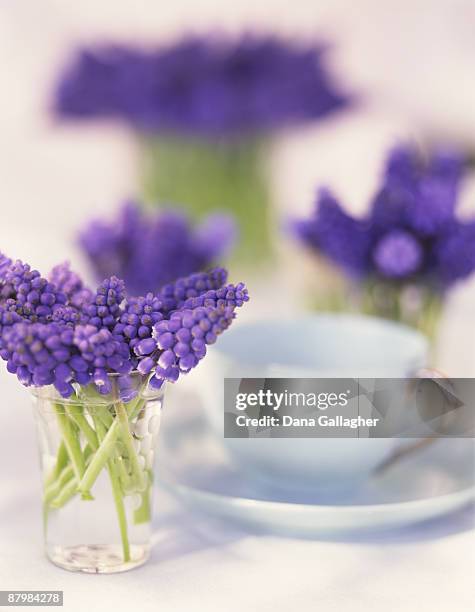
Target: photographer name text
[267,399]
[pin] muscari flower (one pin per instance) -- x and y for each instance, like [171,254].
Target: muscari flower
[398,254]
[182,340]
[201,85]
[103,352]
[105,308]
[229,295]
[199,302]
[411,232]
[149,250]
[139,317]
[8,317]
[338,235]
[35,297]
[71,284]
[140,314]
[175,294]
[39,354]
[83,343]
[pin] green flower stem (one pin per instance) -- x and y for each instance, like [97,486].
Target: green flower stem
[103,421]
[100,458]
[137,472]
[144,512]
[117,494]
[76,414]
[104,415]
[71,442]
[53,490]
[62,460]
[119,504]
[67,493]
[126,481]
[134,407]
[430,315]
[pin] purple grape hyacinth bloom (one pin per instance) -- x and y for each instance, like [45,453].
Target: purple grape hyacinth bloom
[174,295]
[71,284]
[139,317]
[35,297]
[104,352]
[339,236]
[184,337]
[398,254]
[148,250]
[39,354]
[105,308]
[411,232]
[206,86]
[49,336]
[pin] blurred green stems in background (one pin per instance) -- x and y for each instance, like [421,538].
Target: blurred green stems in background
[205,176]
[418,306]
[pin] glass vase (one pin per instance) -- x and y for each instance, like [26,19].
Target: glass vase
[204,176]
[416,305]
[97,455]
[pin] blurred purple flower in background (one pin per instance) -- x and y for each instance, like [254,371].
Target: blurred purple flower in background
[397,255]
[200,85]
[411,232]
[148,250]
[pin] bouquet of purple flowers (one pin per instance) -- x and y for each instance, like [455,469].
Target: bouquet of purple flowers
[411,247]
[97,361]
[206,86]
[204,108]
[150,250]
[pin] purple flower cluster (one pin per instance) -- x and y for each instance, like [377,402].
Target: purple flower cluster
[411,233]
[200,85]
[50,336]
[150,250]
[35,298]
[71,284]
[174,295]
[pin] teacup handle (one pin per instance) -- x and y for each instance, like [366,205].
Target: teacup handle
[419,444]
[402,452]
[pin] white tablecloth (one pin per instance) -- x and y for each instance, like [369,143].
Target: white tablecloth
[201,564]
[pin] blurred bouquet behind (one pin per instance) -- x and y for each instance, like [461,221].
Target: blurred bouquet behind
[149,250]
[203,109]
[405,255]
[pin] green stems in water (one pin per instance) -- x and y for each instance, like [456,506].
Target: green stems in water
[138,473]
[117,493]
[72,444]
[96,436]
[101,457]
[76,413]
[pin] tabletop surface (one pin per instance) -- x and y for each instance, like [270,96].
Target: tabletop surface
[199,563]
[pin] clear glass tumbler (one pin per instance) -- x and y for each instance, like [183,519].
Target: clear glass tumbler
[97,455]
